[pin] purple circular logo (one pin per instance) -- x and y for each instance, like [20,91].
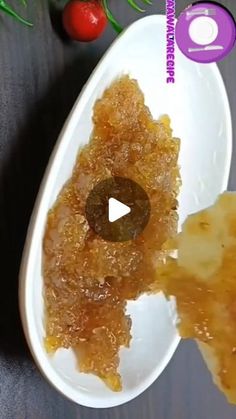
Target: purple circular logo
[205,32]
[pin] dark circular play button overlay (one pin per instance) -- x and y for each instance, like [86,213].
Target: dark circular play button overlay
[124,202]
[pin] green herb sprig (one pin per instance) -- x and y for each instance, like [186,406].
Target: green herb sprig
[6,8]
[115,24]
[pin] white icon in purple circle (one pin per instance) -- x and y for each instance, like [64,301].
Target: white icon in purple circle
[203,30]
[206,32]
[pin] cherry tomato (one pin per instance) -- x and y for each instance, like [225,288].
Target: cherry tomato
[84,20]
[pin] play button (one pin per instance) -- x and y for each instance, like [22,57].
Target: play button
[117,209]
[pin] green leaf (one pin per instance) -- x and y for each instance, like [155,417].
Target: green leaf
[7,9]
[115,24]
[135,6]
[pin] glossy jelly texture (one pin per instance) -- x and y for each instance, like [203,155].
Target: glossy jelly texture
[203,281]
[87,281]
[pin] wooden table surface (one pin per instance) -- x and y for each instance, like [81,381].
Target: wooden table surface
[41,75]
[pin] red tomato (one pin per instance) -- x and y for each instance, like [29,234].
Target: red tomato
[84,20]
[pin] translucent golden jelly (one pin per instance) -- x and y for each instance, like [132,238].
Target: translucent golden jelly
[203,280]
[87,281]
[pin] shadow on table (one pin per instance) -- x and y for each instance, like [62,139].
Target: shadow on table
[19,182]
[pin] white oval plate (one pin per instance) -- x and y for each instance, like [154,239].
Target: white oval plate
[198,106]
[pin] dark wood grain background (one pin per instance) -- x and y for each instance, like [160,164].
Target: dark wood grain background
[41,74]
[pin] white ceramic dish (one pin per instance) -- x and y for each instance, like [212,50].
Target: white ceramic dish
[198,106]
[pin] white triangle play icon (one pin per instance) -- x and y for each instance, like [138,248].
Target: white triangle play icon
[116,210]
